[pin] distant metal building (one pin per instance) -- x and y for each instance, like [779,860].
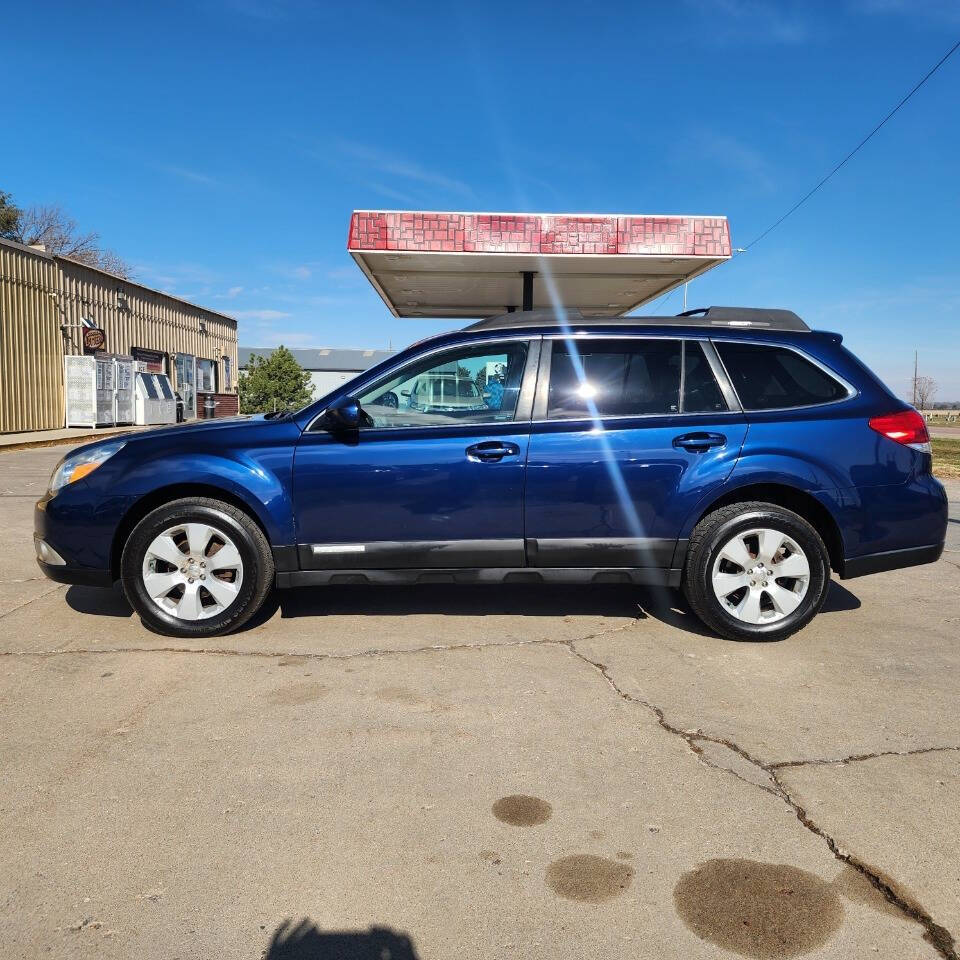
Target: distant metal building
[48,306]
[328,367]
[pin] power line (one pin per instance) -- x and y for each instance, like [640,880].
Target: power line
[856,149]
[842,163]
[660,300]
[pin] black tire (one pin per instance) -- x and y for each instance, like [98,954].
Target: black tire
[714,531]
[258,568]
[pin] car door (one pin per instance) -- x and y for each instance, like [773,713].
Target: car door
[434,476]
[629,433]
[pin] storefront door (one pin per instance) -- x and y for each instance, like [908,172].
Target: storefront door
[186,366]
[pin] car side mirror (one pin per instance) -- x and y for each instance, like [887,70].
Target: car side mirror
[342,415]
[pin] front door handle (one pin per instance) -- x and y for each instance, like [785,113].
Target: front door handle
[699,442]
[491,451]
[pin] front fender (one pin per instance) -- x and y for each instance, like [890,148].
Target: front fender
[242,477]
[254,468]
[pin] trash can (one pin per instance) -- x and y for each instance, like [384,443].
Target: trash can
[209,407]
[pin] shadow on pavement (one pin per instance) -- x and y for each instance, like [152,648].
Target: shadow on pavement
[839,599]
[305,941]
[521,600]
[517,600]
[670,607]
[98,601]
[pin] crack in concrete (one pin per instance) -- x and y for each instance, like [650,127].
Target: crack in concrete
[280,654]
[935,934]
[26,603]
[858,757]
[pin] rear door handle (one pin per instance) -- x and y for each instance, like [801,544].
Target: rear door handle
[491,451]
[698,442]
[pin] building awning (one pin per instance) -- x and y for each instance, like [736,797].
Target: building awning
[479,264]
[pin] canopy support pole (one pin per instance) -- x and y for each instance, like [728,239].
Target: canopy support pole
[528,276]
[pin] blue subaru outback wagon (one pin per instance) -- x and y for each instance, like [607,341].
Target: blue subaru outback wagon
[731,452]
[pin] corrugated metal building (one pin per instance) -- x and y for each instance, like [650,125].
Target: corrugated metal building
[45,303]
[328,367]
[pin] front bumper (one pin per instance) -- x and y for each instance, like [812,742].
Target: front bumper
[66,573]
[82,576]
[70,546]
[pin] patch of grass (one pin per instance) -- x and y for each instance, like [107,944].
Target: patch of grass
[946,456]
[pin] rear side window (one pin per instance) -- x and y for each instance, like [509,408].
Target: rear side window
[700,391]
[619,378]
[769,378]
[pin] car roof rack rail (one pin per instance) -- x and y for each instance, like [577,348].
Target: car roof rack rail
[760,318]
[767,317]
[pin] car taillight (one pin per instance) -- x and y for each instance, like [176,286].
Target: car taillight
[906,427]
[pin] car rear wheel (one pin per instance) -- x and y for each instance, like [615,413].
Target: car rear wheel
[756,571]
[196,567]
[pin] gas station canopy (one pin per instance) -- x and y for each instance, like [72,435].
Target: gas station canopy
[479,264]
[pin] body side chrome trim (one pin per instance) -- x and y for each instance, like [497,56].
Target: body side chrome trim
[642,576]
[401,554]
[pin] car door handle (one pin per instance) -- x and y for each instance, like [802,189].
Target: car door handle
[698,442]
[491,451]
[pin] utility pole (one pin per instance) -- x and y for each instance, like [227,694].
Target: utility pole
[687,284]
[915,377]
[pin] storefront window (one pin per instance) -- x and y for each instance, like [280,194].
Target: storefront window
[206,376]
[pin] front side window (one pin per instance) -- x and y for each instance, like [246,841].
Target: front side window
[470,384]
[617,378]
[771,378]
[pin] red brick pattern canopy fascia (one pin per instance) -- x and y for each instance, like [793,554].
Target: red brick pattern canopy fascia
[539,234]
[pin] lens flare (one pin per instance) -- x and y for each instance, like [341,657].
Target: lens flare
[588,392]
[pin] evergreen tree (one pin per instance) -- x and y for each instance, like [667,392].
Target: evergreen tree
[274,383]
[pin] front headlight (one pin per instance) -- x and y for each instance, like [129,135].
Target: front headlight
[76,466]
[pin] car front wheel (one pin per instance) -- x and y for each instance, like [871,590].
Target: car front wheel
[756,571]
[196,567]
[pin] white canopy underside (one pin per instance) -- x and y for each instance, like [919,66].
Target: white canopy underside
[473,285]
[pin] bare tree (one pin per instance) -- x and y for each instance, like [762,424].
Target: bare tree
[9,216]
[53,227]
[924,390]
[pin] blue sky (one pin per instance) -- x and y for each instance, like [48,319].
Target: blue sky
[220,146]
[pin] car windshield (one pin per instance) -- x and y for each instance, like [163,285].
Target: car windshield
[448,390]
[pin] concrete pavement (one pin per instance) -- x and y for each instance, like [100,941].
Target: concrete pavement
[10,442]
[444,771]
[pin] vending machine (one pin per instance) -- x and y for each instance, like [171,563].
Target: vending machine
[106,379]
[89,385]
[155,402]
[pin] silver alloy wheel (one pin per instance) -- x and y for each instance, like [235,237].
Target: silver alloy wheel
[192,571]
[760,576]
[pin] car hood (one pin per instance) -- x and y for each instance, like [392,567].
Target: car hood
[191,429]
[197,426]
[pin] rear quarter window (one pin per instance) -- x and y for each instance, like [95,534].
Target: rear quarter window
[771,377]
